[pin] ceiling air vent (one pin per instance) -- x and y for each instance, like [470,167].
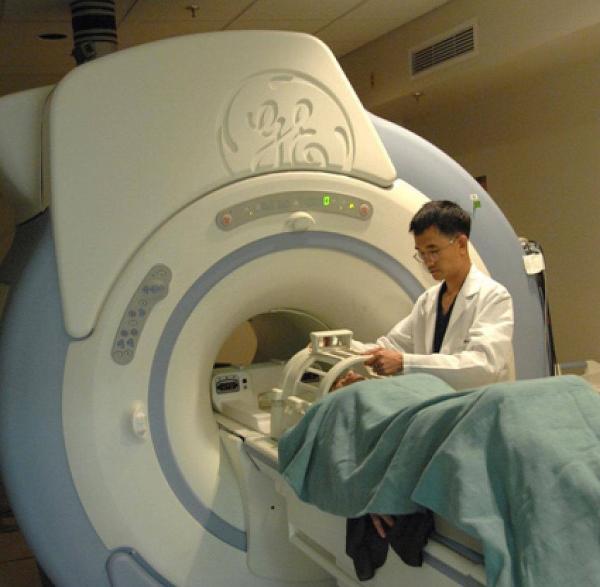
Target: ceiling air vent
[458,43]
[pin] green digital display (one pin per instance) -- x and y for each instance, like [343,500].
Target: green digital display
[326,200]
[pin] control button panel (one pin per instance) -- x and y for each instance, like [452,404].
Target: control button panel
[333,203]
[153,288]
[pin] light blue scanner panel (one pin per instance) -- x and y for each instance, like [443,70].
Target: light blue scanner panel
[33,347]
[127,569]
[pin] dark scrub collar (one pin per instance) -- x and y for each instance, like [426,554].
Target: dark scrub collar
[441,321]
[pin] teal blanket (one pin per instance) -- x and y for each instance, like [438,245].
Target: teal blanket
[515,465]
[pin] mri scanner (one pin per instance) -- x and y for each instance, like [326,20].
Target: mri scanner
[199,185]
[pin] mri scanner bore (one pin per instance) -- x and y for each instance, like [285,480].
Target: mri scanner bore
[212,185]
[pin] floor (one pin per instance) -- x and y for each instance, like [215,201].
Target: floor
[17,564]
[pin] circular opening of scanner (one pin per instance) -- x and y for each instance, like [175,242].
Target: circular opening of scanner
[250,363]
[275,335]
[326,282]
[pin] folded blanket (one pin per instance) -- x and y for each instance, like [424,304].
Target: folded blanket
[515,465]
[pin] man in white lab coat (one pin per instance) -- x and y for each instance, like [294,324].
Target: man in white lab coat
[461,329]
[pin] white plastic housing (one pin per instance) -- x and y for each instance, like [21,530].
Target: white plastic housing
[137,135]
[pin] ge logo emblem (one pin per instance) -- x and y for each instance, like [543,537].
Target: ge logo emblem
[281,120]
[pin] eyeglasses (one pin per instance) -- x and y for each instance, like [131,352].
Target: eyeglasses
[433,255]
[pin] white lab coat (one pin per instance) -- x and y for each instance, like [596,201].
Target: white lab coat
[477,347]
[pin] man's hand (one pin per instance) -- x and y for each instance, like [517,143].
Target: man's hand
[381,523]
[385,361]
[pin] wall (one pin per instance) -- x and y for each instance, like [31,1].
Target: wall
[508,31]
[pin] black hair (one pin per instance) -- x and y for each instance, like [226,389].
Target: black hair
[449,218]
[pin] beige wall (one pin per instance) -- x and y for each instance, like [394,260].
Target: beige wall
[538,142]
[508,31]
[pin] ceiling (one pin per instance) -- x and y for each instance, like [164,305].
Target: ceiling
[27,61]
